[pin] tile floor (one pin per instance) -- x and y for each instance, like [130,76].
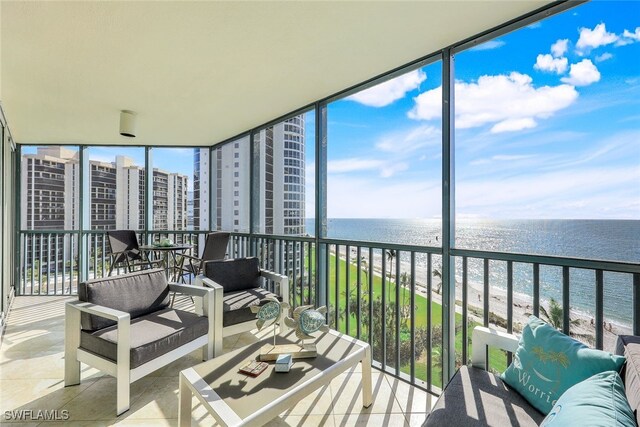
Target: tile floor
[32,371]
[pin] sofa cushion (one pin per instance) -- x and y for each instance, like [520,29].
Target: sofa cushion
[599,399]
[475,397]
[629,346]
[152,335]
[236,306]
[548,362]
[136,293]
[234,274]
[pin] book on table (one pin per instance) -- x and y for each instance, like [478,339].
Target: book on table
[253,368]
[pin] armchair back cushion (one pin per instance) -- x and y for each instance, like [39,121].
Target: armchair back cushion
[136,293]
[234,274]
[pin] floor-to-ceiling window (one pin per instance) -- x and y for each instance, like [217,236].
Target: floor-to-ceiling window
[117,188]
[384,184]
[230,185]
[548,163]
[285,177]
[49,208]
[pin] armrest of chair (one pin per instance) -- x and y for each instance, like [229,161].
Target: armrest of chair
[486,337]
[196,291]
[73,309]
[216,298]
[205,306]
[99,310]
[280,279]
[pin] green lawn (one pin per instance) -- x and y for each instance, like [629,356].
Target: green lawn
[497,358]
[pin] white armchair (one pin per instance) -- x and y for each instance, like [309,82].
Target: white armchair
[236,284]
[122,325]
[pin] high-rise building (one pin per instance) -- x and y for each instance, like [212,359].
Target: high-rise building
[117,194]
[280,174]
[169,200]
[50,189]
[231,187]
[50,193]
[200,196]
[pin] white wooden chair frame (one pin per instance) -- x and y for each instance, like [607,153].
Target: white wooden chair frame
[121,369]
[218,296]
[486,337]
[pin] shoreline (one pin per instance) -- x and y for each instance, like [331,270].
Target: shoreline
[581,327]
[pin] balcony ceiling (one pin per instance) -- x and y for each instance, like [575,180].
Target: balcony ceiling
[201,72]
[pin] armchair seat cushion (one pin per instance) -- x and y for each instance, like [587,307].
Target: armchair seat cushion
[475,397]
[236,306]
[152,335]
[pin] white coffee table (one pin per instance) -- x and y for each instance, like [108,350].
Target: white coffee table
[235,399]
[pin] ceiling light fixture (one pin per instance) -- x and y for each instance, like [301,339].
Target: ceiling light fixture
[128,123]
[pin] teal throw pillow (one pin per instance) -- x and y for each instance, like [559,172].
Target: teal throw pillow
[597,401]
[548,362]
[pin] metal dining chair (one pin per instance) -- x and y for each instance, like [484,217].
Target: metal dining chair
[125,251]
[215,248]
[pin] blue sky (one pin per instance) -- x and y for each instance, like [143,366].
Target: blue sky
[547,126]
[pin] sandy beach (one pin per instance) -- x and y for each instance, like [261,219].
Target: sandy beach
[582,327]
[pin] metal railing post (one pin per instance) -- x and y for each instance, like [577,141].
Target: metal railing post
[322,250]
[448,218]
[84,219]
[148,194]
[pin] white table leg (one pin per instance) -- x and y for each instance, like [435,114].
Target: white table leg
[184,407]
[367,396]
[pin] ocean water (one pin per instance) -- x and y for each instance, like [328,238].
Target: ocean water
[611,240]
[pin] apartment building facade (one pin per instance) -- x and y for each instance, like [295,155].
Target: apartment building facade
[280,165]
[50,193]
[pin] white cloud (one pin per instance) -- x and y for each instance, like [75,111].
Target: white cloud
[391,169]
[352,197]
[591,39]
[568,193]
[510,102]
[353,165]
[634,36]
[411,140]
[501,158]
[389,91]
[604,57]
[560,47]
[512,125]
[490,45]
[582,74]
[628,37]
[384,168]
[547,62]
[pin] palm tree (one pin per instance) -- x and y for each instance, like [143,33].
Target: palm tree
[364,266]
[404,282]
[391,255]
[438,274]
[555,315]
